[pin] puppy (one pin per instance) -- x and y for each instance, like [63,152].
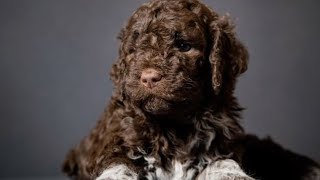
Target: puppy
[173,114]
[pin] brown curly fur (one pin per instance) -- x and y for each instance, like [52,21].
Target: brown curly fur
[195,97]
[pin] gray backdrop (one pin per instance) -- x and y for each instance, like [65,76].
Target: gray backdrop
[55,57]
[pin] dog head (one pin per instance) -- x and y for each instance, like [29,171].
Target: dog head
[176,55]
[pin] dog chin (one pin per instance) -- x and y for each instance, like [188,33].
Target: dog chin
[164,108]
[157,106]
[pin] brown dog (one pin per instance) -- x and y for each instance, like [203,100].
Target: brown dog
[173,114]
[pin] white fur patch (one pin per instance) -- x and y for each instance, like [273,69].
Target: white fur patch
[220,170]
[178,172]
[314,174]
[118,172]
[224,169]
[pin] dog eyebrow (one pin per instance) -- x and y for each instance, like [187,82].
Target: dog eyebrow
[179,35]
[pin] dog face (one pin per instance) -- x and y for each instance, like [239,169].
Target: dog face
[165,50]
[172,56]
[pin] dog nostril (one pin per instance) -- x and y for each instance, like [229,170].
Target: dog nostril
[156,79]
[144,80]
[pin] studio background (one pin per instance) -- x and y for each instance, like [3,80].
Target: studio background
[55,57]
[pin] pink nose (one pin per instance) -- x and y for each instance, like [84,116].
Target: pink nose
[149,77]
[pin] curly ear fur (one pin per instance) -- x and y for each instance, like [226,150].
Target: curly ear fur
[228,57]
[117,70]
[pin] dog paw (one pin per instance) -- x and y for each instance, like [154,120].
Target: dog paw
[230,177]
[118,172]
[223,170]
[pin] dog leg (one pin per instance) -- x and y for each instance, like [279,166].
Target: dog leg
[226,169]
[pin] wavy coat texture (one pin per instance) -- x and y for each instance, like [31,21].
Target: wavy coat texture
[187,124]
[191,116]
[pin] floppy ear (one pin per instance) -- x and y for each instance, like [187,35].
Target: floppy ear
[228,57]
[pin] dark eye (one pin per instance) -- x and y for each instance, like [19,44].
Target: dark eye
[183,46]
